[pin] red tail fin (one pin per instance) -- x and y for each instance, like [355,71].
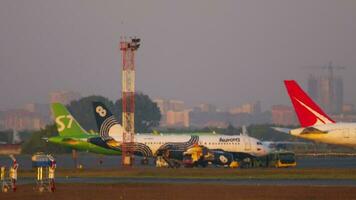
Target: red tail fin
[308,112]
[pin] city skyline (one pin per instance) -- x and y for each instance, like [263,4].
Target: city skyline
[224,53]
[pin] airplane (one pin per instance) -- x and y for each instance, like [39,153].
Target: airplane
[148,145]
[315,124]
[72,135]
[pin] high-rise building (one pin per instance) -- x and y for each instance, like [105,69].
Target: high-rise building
[283,115]
[176,105]
[173,112]
[248,108]
[338,95]
[41,109]
[2,122]
[348,108]
[166,105]
[327,91]
[313,87]
[205,107]
[23,120]
[162,105]
[178,118]
[64,97]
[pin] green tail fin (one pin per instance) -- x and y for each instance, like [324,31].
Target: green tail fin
[67,126]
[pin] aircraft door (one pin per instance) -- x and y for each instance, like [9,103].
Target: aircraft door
[247,144]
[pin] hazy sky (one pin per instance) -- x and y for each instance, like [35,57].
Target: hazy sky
[220,52]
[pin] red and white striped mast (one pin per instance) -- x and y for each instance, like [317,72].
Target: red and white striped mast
[128,49]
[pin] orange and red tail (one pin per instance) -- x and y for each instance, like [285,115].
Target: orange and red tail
[308,112]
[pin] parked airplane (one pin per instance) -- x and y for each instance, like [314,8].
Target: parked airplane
[315,124]
[109,142]
[148,145]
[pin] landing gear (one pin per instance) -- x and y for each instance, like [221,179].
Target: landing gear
[144,161]
[163,161]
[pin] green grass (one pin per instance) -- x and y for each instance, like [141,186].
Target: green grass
[220,173]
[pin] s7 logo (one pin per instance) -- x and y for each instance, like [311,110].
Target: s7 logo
[61,123]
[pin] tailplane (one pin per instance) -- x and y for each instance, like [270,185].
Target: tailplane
[308,112]
[109,127]
[67,126]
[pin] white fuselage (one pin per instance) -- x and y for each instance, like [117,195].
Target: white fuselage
[234,144]
[334,133]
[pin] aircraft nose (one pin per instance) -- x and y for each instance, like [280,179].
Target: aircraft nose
[266,149]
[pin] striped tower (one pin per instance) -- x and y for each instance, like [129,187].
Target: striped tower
[128,49]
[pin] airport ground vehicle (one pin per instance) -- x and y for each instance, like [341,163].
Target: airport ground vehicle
[45,165]
[278,159]
[202,156]
[197,156]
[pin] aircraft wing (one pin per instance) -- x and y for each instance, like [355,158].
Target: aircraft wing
[291,142]
[312,130]
[280,129]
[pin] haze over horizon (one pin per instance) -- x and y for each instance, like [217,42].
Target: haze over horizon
[220,52]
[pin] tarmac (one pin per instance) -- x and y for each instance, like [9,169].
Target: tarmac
[104,178]
[154,191]
[214,181]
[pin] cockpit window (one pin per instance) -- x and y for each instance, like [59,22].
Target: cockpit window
[259,143]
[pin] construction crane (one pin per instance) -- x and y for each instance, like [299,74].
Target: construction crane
[327,90]
[330,68]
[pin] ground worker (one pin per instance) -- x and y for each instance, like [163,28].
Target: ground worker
[51,171]
[2,176]
[4,186]
[13,173]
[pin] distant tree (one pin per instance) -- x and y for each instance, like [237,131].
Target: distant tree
[6,136]
[82,110]
[231,130]
[147,113]
[37,143]
[265,132]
